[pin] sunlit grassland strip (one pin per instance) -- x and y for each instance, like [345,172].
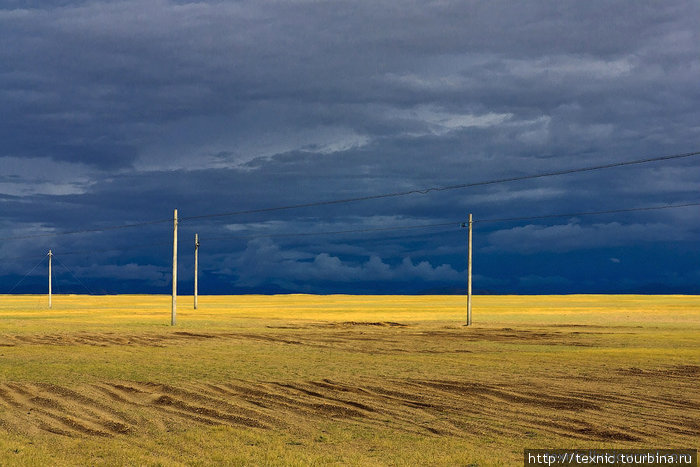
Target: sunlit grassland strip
[364,380]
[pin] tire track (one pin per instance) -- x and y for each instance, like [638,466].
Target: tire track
[428,407]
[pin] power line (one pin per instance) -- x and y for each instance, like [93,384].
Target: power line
[26,275]
[333,232]
[378,229]
[367,198]
[104,250]
[444,224]
[102,229]
[74,276]
[8,258]
[128,248]
[445,188]
[589,213]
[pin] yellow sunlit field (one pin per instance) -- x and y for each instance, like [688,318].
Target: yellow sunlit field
[359,380]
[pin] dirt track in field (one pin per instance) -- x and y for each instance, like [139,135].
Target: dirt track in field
[441,407]
[607,409]
[373,335]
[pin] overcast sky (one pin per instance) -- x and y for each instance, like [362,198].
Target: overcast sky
[118,112]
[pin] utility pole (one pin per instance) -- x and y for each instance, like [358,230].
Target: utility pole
[174,310]
[50,256]
[469,271]
[196,264]
[469,274]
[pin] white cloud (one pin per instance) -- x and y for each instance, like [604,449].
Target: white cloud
[556,68]
[436,121]
[575,236]
[427,83]
[264,261]
[20,177]
[515,194]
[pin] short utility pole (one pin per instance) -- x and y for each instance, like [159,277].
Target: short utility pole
[469,270]
[469,276]
[196,264]
[173,315]
[50,256]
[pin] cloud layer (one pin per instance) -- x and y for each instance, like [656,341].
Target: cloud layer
[118,112]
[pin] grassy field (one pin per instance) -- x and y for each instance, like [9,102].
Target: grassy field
[359,380]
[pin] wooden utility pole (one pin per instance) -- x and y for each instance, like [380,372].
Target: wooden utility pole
[50,256]
[196,264]
[469,275]
[174,310]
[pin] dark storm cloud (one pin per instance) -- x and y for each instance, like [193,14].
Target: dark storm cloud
[116,112]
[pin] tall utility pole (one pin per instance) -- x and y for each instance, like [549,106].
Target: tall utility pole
[50,256]
[469,275]
[196,264]
[174,310]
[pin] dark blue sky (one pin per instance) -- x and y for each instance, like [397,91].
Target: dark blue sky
[117,112]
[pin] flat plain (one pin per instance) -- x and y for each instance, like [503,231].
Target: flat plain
[358,380]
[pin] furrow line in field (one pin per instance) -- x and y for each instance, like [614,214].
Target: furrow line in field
[441,407]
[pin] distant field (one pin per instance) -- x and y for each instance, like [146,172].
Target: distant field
[365,380]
